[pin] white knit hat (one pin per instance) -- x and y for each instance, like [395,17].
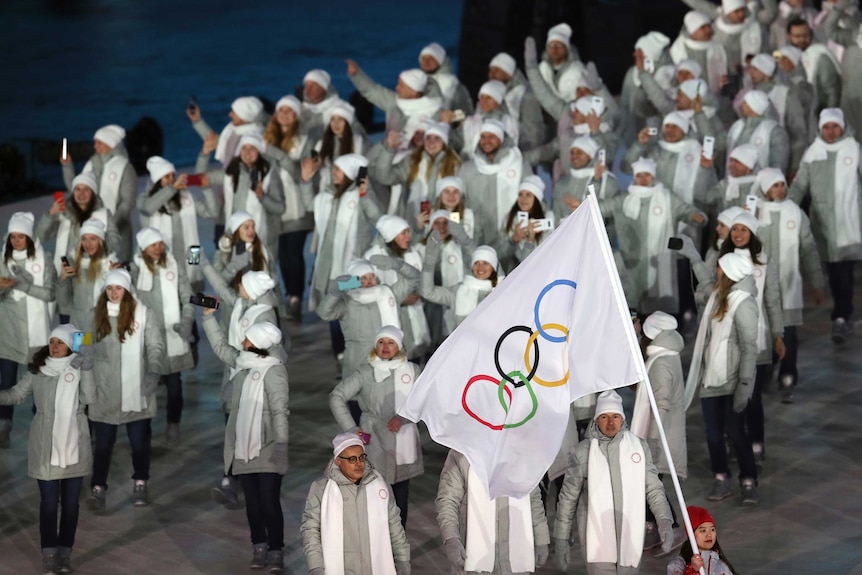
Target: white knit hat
[319,77]
[587,144]
[765,63]
[560,33]
[692,88]
[652,44]
[158,167]
[414,78]
[256,283]
[119,277]
[609,402]
[792,53]
[390,226]
[252,139]
[690,66]
[439,129]
[291,102]
[695,20]
[643,165]
[87,179]
[735,266]
[726,216]
[93,227]
[504,62]
[22,223]
[745,154]
[748,220]
[248,108]
[437,214]
[359,267]
[344,440]
[494,127]
[677,119]
[350,164]
[768,177]
[830,116]
[450,182]
[111,135]
[392,332]
[263,335]
[147,237]
[236,219]
[341,109]
[65,333]
[534,185]
[494,89]
[728,6]
[758,101]
[658,322]
[434,50]
[485,254]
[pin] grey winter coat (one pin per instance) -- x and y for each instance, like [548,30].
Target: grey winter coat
[574,494]
[357,545]
[531,124]
[108,372]
[290,166]
[851,89]
[49,226]
[44,390]
[668,386]
[666,162]
[451,506]
[779,142]
[570,185]
[445,296]
[274,416]
[75,296]
[377,402]
[13,314]
[795,122]
[386,100]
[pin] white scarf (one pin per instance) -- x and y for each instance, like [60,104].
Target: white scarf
[508,172]
[419,187]
[240,321]
[346,225]
[716,57]
[188,223]
[778,97]
[401,371]
[249,413]
[228,141]
[687,152]
[760,138]
[846,190]
[566,86]
[749,35]
[732,192]
[294,209]
[132,359]
[601,523]
[787,216]
[425,106]
[64,234]
[482,530]
[377,516]
[169,298]
[642,415]
[252,202]
[109,183]
[472,130]
[659,229]
[64,431]
[415,312]
[447,83]
[811,57]
[452,263]
[759,275]
[467,295]
[385,300]
[714,353]
[38,320]
[513,99]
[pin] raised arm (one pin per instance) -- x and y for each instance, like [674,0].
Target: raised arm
[549,101]
[223,350]
[383,98]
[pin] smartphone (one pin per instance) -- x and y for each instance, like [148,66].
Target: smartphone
[77,340]
[751,203]
[204,301]
[194,180]
[649,66]
[652,131]
[708,147]
[194,255]
[602,158]
[459,116]
[239,248]
[65,260]
[255,178]
[353,283]
[361,174]
[455,217]
[777,54]
[425,207]
[365,437]
[545,225]
[674,243]
[60,197]
[523,218]
[193,104]
[598,105]
[65,148]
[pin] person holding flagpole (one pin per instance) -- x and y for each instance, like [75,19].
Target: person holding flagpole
[610,475]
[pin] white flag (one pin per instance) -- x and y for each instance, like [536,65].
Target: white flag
[558,328]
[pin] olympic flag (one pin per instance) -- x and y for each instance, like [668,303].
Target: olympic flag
[558,328]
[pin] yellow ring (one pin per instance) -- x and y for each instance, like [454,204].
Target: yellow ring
[530,341]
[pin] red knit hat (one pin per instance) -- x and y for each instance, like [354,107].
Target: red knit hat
[699,516]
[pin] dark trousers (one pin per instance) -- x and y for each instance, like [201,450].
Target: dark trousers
[684,284]
[401,490]
[720,418]
[59,500]
[64,318]
[8,379]
[337,337]
[841,284]
[140,434]
[754,418]
[174,384]
[290,247]
[263,508]
[791,345]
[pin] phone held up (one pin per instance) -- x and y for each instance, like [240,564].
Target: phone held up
[361,174]
[193,104]
[352,283]
[194,255]
[77,340]
[194,180]
[204,301]
[365,437]
[425,207]
[674,244]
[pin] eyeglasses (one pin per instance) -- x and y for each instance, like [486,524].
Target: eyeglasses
[354,458]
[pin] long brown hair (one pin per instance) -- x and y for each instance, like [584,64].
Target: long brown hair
[723,287]
[125,321]
[459,208]
[258,256]
[174,203]
[161,262]
[275,136]
[327,146]
[31,248]
[754,246]
[39,359]
[79,215]
[94,270]
[537,212]
[345,185]
[233,169]
[448,166]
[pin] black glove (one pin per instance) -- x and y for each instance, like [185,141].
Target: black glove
[84,359]
[150,383]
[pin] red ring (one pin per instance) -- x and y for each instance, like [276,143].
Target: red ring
[470,412]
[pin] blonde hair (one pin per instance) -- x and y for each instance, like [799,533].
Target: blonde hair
[723,287]
[448,166]
[94,271]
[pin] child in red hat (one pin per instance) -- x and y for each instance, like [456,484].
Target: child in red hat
[709,555]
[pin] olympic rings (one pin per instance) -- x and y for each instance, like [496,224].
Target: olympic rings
[502,373]
[471,413]
[532,340]
[545,290]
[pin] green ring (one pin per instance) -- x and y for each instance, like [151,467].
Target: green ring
[529,386]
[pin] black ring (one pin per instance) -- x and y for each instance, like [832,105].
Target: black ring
[502,373]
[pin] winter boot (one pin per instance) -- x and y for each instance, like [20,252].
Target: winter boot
[49,560]
[64,560]
[275,561]
[258,557]
[5,432]
[139,493]
[96,500]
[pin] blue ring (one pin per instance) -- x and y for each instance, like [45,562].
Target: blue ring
[546,289]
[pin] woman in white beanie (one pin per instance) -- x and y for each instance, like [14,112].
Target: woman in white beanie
[492,106]
[519,237]
[450,196]
[381,384]
[342,135]
[520,100]
[757,126]
[255,442]
[129,351]
[247,118]
[27,290]
[82,281]
[58,451]
[722,371]
[116,180]
[162,284]
[586,170]
[64,220]
[418,172]
[394,242]
[652,68]
[786,234]
[241,249]
[436,64]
